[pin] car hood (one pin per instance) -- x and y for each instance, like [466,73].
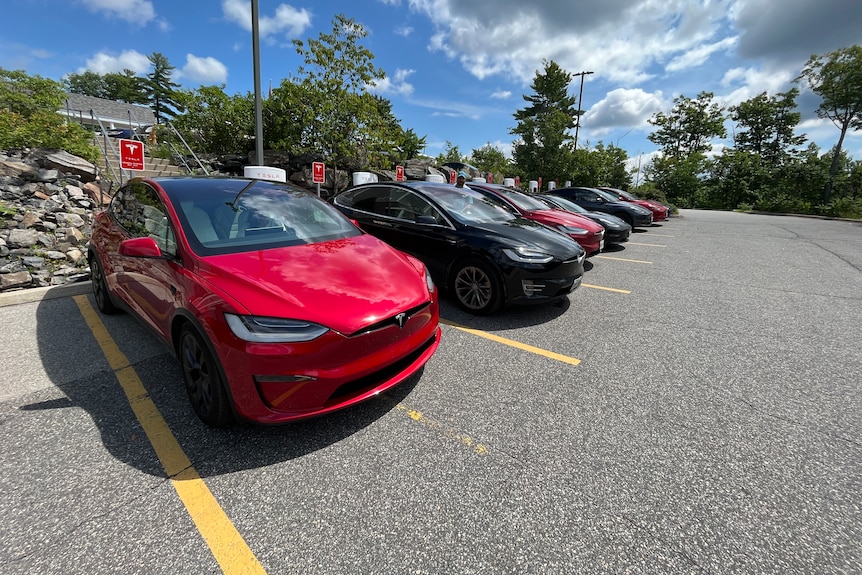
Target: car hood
[609,221]
[561,218]
[524,232]
[649,203]
[344,284]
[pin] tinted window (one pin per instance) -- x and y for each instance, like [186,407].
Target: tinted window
[139,210]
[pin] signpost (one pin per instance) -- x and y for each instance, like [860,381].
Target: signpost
[131,154]
[452,176]
[318,174]
[399,173]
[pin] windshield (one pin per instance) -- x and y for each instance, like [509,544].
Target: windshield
[468,207]
[566,204]
[522,200]
[626,195]
[606,195]
[233,215]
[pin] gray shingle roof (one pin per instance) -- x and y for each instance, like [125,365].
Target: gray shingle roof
[112,114]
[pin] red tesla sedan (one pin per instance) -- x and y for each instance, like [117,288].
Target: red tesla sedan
[589,234]
[277,306]
[659,211]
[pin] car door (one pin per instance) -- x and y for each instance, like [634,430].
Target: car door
[147,285]
[408,222]
[589,200]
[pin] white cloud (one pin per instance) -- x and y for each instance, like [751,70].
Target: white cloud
[501,94]
[287,20]
[622,108]
[134,11]
[404,31]
[697,56]
[395,85]
[103,63]
[206,70]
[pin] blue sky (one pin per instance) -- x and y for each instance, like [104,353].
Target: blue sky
[457,71]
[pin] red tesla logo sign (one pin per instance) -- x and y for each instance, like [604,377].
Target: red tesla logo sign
[318,172]
[452,177]
[399,173]
[131,155]
[490,178]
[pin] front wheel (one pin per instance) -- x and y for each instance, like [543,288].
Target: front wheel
[476,287]
[203,379]
[100,286]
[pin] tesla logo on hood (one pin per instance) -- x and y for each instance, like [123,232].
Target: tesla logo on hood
[401,319]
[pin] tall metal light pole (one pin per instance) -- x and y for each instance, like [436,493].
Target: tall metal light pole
[580,97]
[258,112]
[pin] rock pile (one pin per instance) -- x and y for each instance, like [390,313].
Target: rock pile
[47,202]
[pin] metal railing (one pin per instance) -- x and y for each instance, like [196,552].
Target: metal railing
[179,148]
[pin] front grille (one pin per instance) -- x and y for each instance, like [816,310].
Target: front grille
[372,380]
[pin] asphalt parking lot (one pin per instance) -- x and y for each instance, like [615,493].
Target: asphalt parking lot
[694,407]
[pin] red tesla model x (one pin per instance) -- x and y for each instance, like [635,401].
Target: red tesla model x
[276,305]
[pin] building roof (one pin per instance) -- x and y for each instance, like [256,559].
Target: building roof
[112,114]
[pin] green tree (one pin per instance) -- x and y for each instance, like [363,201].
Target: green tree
[215,122]
[29,116]
[490,159]
[837,78]
[86,83]
[689,127]
[160,89]
[125,87]
[334,78]
[450,154]
[544,145]
[767,127]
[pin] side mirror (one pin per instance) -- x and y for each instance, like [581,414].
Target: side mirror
[425,220]
[140,248]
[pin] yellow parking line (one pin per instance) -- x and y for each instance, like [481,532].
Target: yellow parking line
[606,288]
[649,245]
[465,440]
[652,235]
[516,344]
[622,260]
[226,544]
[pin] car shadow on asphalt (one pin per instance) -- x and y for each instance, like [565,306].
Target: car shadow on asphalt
[81,373]
[510,317]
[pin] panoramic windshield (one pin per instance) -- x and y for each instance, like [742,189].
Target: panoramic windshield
[230,216]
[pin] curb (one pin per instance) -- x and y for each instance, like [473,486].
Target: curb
[44,293]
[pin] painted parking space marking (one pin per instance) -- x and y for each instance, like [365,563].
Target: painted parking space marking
[654,235]
[649,245]
[623,260]
[226,544]
[615,290]
[515,344]
[451,433]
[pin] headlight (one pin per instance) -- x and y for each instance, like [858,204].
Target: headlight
[428,281]
[273,329]
[527,255]
[572,230]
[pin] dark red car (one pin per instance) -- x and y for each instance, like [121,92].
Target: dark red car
[659,211]
[276,305]
[589,234]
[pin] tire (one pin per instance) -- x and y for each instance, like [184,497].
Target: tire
[100,286]
[202,378]
[476,287]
